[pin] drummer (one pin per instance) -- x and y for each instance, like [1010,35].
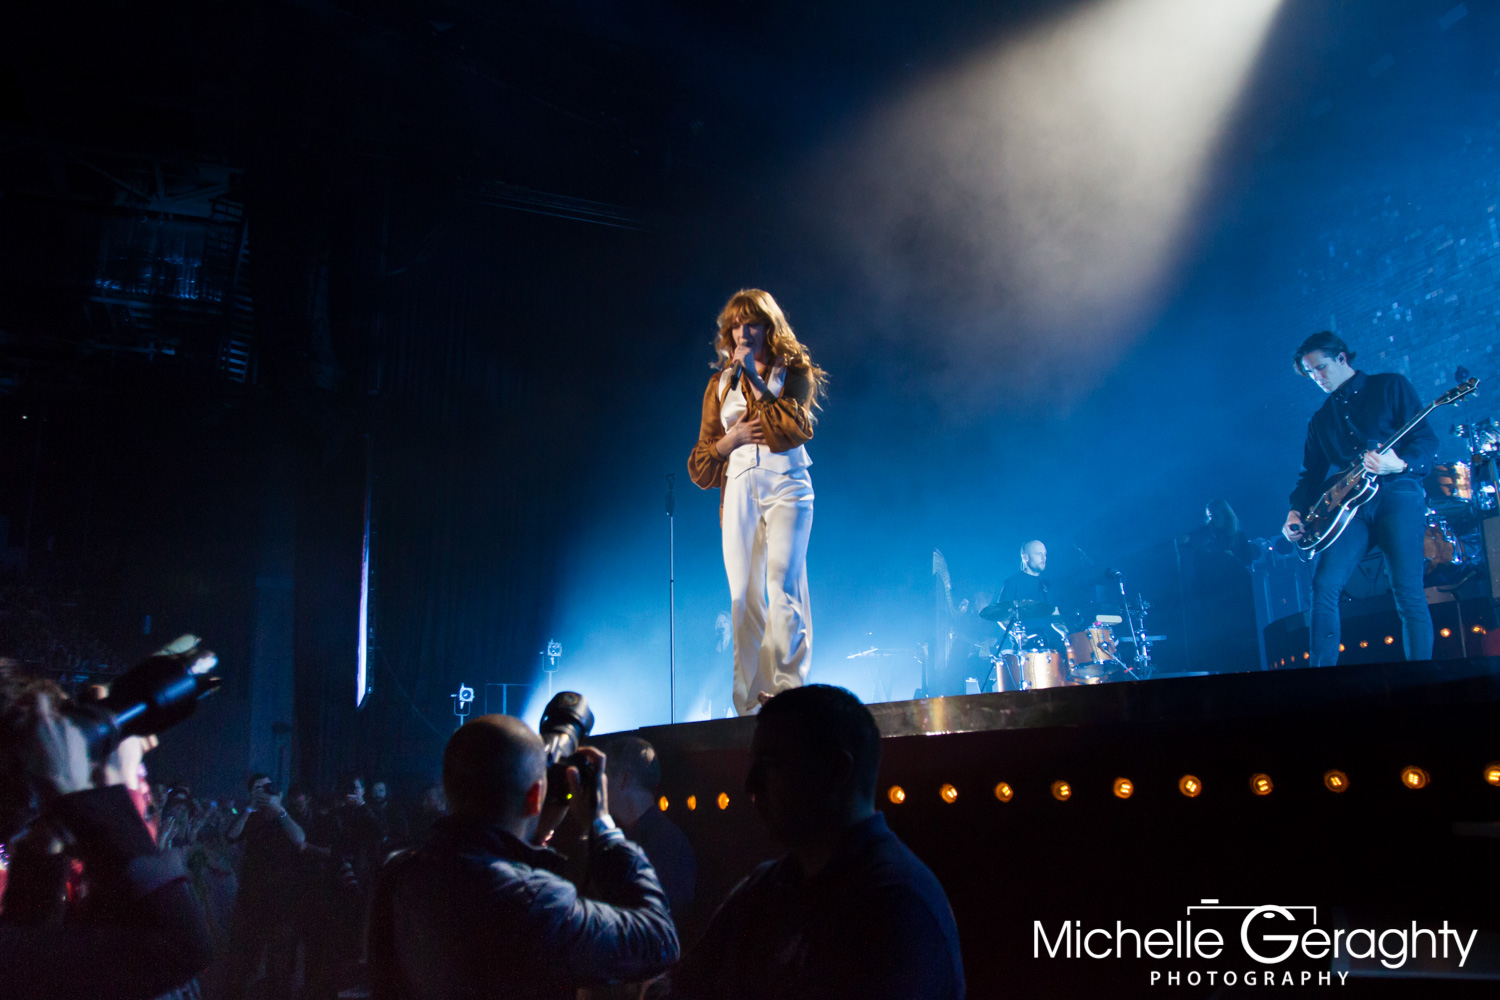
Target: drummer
[1029,584]
[1030,589]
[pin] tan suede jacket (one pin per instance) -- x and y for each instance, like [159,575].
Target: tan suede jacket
[787,421]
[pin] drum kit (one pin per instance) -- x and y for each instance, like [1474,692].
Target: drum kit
[1044,649]
[1459,495]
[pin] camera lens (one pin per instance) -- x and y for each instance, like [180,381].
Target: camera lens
[566,722]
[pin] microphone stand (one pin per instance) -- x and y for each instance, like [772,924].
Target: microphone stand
[671,600]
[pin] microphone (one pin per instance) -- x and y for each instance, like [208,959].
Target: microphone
[734,379]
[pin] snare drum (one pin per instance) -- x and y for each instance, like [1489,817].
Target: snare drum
[1450,489]
[1451,480]
[1037,668]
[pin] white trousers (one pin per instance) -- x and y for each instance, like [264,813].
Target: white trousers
[767,520]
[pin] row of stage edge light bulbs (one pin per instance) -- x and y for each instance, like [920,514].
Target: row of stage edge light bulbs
[1190,785]
[1390,640]
[691,802]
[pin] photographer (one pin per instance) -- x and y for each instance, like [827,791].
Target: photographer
[262,911]
[137,930]
[479,909]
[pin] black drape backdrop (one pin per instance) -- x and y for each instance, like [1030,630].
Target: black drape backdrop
[461,345]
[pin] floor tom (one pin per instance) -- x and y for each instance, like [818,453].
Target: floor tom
[1095,644]
[1440,545]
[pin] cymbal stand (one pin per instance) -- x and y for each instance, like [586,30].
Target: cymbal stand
[1142,668]
[1016,633]
[1137,618]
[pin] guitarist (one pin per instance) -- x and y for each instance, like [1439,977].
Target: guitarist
[1361,411]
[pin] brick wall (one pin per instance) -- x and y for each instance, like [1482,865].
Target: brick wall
[1409,274]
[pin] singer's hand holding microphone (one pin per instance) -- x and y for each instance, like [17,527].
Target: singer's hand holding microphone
[747,430]
[744,365]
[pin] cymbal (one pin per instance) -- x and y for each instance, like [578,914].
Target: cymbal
[1035,610]
[1025,610]
[1149,638]
[997,612]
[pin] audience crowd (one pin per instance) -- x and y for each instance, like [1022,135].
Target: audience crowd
[285,880]
[120,888]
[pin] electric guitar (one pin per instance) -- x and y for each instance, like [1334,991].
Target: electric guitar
[1354,487]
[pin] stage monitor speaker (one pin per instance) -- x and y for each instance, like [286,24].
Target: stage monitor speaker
[1491,529]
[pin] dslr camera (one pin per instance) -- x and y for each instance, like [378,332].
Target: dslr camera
[566,722]
[150,697]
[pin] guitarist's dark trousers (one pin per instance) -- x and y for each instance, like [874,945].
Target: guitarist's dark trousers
[1395,521]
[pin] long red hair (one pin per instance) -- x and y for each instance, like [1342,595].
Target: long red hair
[752,305]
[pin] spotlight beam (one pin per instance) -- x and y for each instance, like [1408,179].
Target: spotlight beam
[1041,192]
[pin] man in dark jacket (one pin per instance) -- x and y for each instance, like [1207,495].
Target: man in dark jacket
[479,911]
[850,913]
[1361,413]
[634,774]
[395,832]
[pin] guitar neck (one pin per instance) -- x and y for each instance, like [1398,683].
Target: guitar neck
[1396,438]
[1352,474]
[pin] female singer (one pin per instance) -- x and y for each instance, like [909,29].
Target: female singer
[757,413]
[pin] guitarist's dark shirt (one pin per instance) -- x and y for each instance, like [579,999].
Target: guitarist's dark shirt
[1359,415]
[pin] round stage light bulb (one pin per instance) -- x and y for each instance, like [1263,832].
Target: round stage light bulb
[949,794]
[723,800]
[1124,788]
[1190,786]
[1336,781]
[1492,773]
[662,803]
[1260,784]
[1389,640]
[692,802]
[1478,630]
[1445,632]
[897,795]
[1341,647]
[1414,777]
[1062,791]
[1004,792]
[1307,656]
[1364,644]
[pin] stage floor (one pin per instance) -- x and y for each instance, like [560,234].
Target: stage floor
[1163,698]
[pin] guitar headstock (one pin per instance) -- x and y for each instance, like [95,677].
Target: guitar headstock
[1456,393]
